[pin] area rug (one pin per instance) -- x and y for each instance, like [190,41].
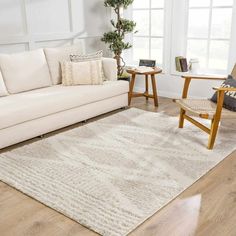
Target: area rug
[113,174]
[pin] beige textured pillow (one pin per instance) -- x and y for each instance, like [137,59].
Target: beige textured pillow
[89,57]
[82,73]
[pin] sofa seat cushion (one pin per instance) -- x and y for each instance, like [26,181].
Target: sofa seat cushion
[25,71]
[19,108]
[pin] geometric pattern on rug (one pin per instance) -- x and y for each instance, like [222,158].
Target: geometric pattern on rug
[113,174]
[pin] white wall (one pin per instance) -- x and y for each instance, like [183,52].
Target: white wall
[30,24]
[171,86]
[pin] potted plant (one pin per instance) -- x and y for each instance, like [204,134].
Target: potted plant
[116,37]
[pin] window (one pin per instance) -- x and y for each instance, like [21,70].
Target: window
[203,29]
[148,42]
[209,33]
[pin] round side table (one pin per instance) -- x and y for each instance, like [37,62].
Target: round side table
[146,94]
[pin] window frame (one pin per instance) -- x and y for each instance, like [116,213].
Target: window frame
[129,14]
[209,38]
[175,36]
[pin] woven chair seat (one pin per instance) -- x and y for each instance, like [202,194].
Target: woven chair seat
[203,108]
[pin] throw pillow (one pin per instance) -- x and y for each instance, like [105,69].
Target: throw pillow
[89,57]
[82,73]
[25,71]
[230,97]
[3,90]
[109,68]
[55,55]
[86,57]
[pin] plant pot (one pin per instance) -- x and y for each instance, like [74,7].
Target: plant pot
[124,77]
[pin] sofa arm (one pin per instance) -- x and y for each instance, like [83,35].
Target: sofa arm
[110,68]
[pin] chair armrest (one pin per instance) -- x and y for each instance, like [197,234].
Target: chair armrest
[204,77]
[225,89]
[189,77]
[110,68]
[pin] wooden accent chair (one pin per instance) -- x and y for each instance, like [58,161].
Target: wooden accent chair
[205,108]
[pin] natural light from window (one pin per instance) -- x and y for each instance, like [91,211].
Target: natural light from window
[209,32]
[148,42]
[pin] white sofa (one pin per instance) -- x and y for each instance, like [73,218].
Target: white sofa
[33,101]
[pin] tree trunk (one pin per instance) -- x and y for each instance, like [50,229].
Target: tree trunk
[118,55]
[119,67]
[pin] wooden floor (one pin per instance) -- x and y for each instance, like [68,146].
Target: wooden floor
[207,208]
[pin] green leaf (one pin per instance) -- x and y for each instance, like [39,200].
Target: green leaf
[116,38]
[118,3]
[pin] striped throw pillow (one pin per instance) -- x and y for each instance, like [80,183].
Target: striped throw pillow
[89,57]
[82,73]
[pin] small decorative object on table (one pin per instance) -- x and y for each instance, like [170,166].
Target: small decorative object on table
[147,63]
[194,65]
[146,71]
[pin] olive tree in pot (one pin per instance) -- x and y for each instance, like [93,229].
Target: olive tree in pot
[116,37]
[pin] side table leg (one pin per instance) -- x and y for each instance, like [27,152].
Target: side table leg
[146,83]
[154,88]
[131,88]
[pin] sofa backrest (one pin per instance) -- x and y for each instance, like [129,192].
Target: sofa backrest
[57,55]
[25,71]
[3,90]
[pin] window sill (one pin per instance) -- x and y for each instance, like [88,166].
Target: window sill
[176,73]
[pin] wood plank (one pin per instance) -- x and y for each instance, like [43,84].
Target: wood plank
[206,208]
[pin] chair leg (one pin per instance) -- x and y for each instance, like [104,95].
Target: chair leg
[181,118]
[213,134]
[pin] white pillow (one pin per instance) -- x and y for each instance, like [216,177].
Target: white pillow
[25,71]
[110,68]
[56,55]
[82,73]
[3,90]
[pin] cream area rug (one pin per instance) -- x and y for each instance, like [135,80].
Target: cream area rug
[113,174]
